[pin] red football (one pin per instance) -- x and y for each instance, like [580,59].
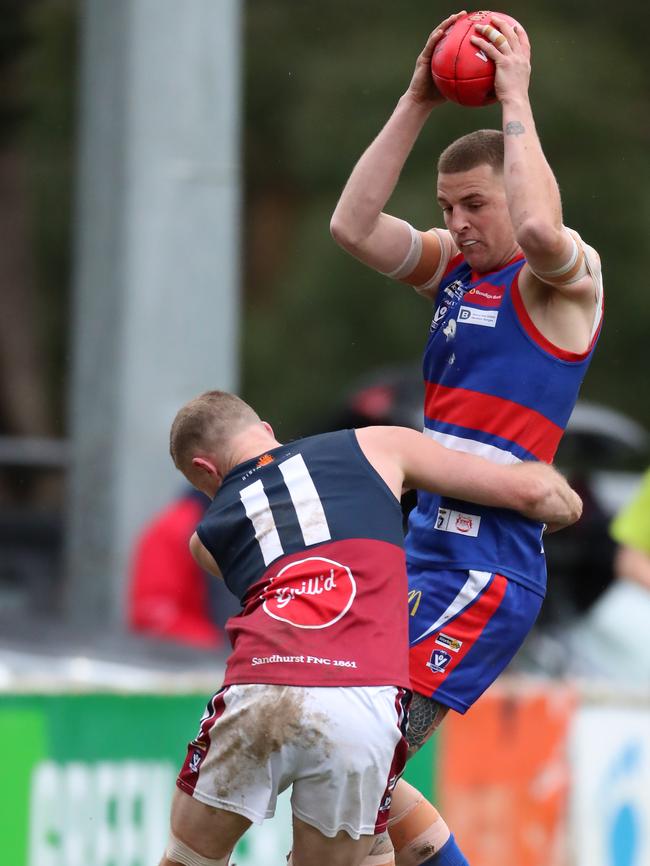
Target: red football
[461,71]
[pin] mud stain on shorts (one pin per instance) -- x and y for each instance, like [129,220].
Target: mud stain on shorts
[273,717]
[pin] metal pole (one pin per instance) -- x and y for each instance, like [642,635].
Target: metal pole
[157,277]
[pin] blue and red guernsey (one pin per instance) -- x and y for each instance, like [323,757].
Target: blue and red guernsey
[495,386]
[309,538]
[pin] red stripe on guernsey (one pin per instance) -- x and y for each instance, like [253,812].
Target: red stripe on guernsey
[466,628]
[402,700]
[537,337]
[198,748]
[453,263]
[495,415]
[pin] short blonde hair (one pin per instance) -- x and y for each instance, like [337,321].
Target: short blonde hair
[483,147]
[206,424]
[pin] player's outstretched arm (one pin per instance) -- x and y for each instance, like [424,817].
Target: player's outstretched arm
[532,191]
[359,224]
[403,456]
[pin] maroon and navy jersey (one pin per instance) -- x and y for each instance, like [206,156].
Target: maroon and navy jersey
[495,386]
[309,538]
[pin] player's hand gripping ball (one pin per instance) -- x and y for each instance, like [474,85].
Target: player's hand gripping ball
[461,71]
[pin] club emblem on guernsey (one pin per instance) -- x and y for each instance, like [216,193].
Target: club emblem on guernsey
[439,661]
[310,593]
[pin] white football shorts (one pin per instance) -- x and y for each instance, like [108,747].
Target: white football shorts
[341,748]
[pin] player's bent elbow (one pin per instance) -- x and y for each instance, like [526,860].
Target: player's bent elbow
[345,234]
[539,236]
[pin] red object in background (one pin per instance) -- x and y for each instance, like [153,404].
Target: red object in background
[374,402]
[168,592]
[504,775]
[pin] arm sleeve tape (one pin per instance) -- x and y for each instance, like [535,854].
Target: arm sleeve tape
[426,261]
[411,258]
[574,269]
[582,261]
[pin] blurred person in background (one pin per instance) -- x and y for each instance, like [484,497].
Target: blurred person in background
[170,596]
[613,638]
[309,538]
[518,309]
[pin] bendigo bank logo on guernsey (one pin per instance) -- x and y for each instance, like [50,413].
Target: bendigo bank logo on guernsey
[310,593]
[485,295]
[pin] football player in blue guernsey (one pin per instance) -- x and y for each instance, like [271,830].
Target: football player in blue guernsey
[309,537]
[517,306]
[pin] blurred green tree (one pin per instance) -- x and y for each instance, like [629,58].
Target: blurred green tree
[37,87]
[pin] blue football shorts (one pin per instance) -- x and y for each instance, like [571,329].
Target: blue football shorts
[464,629]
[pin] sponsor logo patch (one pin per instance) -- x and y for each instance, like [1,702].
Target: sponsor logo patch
[455,290]
[310,593]
[264,460]
[451,643]
[485,295]
[414,599]
[449,299]
[195,762]
[388,797]
[438,316]
[474,316]
[458,522]
[450,329]
[438,661]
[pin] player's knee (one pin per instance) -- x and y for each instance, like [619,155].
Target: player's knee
[178,852]
[416,828]
[425,716]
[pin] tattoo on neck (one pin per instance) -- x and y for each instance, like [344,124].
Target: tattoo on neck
[514,127]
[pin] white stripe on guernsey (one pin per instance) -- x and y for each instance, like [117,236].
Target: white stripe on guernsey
[260,515]
[306,500]
[474,584]
[471,446]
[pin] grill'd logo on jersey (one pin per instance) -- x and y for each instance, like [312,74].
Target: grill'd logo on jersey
[310,593]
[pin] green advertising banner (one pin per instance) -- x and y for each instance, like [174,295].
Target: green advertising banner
[88,778]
